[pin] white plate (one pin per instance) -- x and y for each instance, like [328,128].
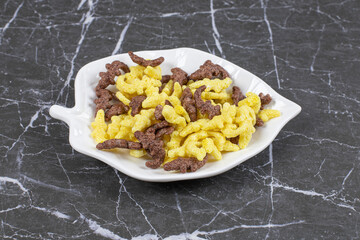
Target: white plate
[82,114]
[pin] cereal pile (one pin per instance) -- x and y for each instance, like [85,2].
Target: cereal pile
[181,121]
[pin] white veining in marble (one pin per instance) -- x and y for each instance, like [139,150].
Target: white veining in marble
[304,186]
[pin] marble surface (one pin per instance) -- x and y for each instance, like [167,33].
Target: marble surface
[304,186]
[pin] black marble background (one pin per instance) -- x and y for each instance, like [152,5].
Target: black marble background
[304,186]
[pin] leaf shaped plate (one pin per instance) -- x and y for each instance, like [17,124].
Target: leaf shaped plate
[82,114]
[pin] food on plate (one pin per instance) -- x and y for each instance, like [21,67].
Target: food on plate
[181,121]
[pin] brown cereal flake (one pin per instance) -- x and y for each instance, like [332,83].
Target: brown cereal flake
[164,131]
[188,102]
[157,126]
[205,107]
[116,109]
[151,142]
[115,67]
[135,104]
[179,75]
[167,102]
[164,80]
[158,112]
[234,140]
[103,100]
[118,143]
[104,95]
[185,164]
[141,61]
[259,122]
[265,100]
[154,147]
[106,79]
[209,70]
[237,95]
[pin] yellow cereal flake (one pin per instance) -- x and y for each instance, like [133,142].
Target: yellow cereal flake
[230,147]
[167,160]
[179,109]
[228,112]
[143,120]
[191,147]
[172,117]
[125,133]
[147,82]
[154,99]
[122,86]
[152,91]
[252,100]
[99,127]
[175,101]
[114,126]
[223,95]
[99,135]
[132,84]
[193,127]
[175,140]
[245,113]
[138,153]
[210,147]
[247,130]
[189,139]
[137,71]
[122,98]
[218,138]
[176,152]
[168,88]
[216,123]
[195,137]
[268,114]
[177,90]
[127,121]
[231,130]
[216,85]
[182,112]
[194,151]
[153,72]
